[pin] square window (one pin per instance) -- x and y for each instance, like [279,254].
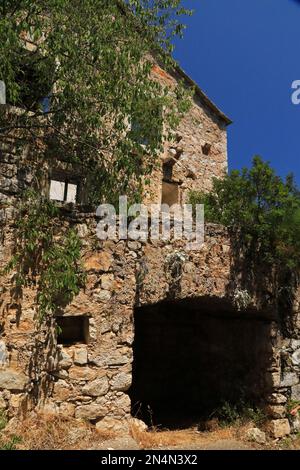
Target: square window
[73,330]
[206,149]
[57,190]
[63,191]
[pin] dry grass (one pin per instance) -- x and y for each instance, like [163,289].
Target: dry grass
[183,438]
[52,432]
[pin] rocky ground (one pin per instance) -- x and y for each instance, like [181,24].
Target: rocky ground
[52,432]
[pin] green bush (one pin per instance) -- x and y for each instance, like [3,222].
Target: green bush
[262,209]
[11,443]
[237,413]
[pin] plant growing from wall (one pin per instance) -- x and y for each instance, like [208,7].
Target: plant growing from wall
[45,254]
[262,209]
[262,213]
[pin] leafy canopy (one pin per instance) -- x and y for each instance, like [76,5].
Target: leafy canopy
[261,208]
[45,255]
[82,71]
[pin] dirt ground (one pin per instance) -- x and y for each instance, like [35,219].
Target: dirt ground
[48,432]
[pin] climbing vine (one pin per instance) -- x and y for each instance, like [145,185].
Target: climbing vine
[45,254]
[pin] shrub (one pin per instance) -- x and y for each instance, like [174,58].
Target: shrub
[262,209]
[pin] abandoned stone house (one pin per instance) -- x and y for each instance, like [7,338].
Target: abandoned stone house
[130,344]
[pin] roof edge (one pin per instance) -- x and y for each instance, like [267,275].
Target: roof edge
[214,108]
[207,101]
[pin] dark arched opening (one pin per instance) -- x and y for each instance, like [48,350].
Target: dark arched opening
[190,356]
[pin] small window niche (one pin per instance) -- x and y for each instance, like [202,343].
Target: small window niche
[63,190]
[168,171]
[170,193]
[206,149]
[73,330]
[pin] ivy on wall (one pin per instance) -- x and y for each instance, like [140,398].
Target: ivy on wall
[46,254]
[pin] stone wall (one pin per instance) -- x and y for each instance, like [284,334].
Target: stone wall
[197,153]
[91,378]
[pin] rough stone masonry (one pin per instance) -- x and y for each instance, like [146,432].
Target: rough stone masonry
[86,371]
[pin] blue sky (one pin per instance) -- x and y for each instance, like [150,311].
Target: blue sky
[245,56]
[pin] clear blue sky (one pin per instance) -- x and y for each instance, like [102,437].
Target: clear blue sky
[245,56]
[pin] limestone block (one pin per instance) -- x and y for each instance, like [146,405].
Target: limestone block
[295,421]
[296,392]
[277,399]
[136,424]
[113,358]
[279,428]
[51,409]
[80,356]
[295,344]
[121,404]
[103,295]
[91,412]
[82,373]
[3,354]
[67,409]
[61,391]
[16,400]
[121,382]
[276,411]
[99,262]
[289,379]
[13,380]
[107,281]
[273,379]
[296,358]
[96,388]
[112,424]
[64,359]
[256,435]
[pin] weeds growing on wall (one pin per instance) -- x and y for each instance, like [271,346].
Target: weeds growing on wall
[45,254]
[262,213]
[261,208]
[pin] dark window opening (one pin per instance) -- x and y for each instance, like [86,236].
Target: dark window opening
[168,171]
[72,330]
[206,149]
[170,193]
[192,356]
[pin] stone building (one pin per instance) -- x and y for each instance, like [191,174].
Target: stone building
[158,332]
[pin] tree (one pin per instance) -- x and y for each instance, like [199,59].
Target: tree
[261,209]
[86,87]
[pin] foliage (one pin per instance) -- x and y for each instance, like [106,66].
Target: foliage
[293,406]
[44,255]
[262,209]
[87,83]
[241,412]
[11,443]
